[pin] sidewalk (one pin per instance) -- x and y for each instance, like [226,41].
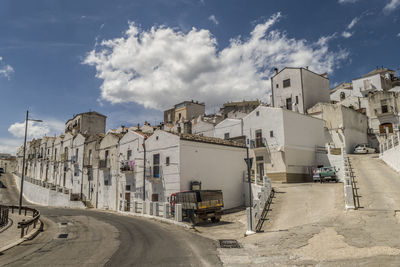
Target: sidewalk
[12,234]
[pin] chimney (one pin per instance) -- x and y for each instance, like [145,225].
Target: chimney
[276,71]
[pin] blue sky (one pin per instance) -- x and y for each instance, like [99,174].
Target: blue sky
[131,59]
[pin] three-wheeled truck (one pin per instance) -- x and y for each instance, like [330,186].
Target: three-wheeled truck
[199,205]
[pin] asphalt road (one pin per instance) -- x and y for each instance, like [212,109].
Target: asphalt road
[96,238]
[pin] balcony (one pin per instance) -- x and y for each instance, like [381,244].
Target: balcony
[384,111]
[258,143]
[104,163]
[63,157]
[154,174]
[127,166]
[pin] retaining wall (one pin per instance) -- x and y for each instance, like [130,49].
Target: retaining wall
[45,196]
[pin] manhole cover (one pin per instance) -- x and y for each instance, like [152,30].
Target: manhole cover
[228,243]
[62,235]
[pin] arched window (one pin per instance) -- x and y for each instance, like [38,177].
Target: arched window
[342,96]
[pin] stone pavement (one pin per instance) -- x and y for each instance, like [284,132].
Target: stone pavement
[13,234]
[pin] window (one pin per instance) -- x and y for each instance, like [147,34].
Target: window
[277,85]
[127,188]
[128,154]
[258,113]
[156,165]
[90,157]
[342,95]
[259,158]
[297,99]
[179,116]
[106,157]
[76,154]
[167,161]
[289,103]
[259,141]
[384,106]
[286,83]
[55,154]
[226,136]
[271,133]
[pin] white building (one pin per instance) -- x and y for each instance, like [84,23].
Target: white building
[176,160]
[282,142]
[380,79]
[229,128]
[344,127]
[298,89]
[131,153]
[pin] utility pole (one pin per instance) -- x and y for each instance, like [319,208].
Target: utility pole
[249,163]
[23,165]
[144,170]
[23,160]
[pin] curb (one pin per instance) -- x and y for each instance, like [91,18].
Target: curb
[161,219]
[27,237]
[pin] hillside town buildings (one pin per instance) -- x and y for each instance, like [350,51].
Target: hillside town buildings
[285,139]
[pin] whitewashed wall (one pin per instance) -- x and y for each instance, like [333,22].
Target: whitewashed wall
[216,167]
[231,126]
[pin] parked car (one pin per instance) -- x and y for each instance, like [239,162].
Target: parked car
[199,205]
[363,149]
[325,174]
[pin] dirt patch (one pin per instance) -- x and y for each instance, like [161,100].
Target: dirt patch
[328,245]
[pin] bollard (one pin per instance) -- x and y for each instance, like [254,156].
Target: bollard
[178,212]
[156,210]
[166,210]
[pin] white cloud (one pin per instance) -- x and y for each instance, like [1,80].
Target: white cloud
[37,129]
[162,66]
[353,23]
[392,5]
[398,35]
[346,34]
[10,145]
[5,70]
[213,19]
[347,1]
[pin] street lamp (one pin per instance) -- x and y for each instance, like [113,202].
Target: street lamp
[23,160]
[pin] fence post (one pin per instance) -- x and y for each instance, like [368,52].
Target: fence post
[166,210]
[178,212]
[156,210]
[144,207]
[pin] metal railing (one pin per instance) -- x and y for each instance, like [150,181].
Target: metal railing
[3,215]
[25,224]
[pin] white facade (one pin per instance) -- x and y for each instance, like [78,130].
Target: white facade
[283,142]
[228,128]
[183,160]
[131,174]
[298,89]
[344,127]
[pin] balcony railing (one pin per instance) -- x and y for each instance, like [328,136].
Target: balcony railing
[104,163]
[154,173]
[63,157]
[258,143]
[127,166]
